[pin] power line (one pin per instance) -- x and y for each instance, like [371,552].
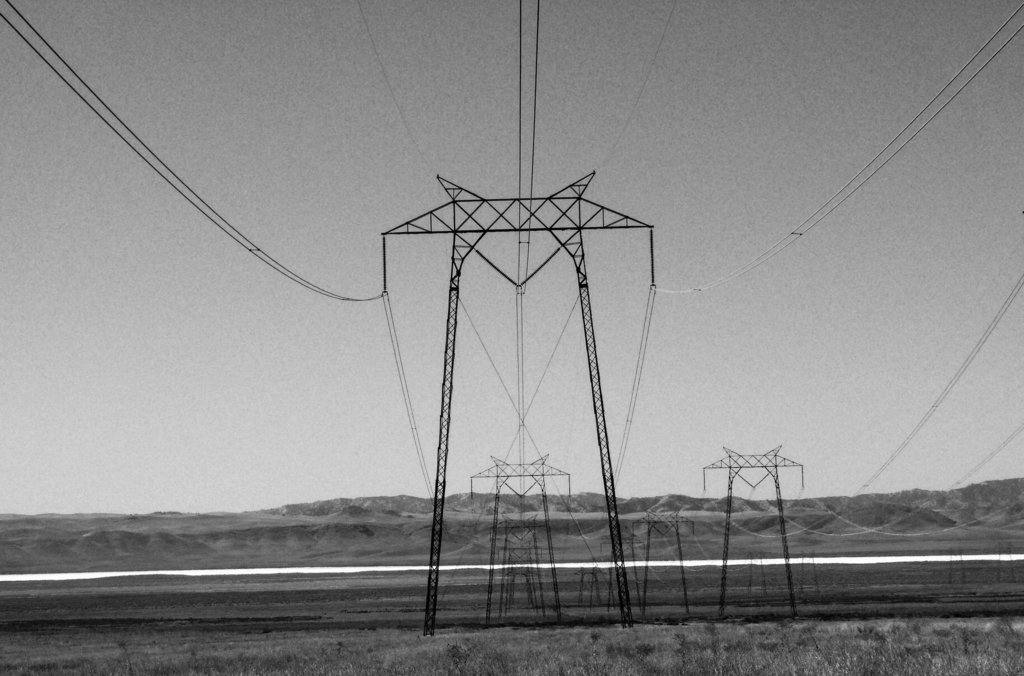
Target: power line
[519,100]
[490,359]
[996,451]
[643,86]
[169,176]
[950,385]
[391,89]
[533,126]
[898,142]
[637,374]
[406,397]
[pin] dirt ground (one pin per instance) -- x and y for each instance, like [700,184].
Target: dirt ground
[390,600]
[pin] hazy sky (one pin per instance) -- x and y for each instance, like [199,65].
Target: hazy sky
[148,363]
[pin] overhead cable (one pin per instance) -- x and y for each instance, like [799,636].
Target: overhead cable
[406,397]
[637,374]
[950,385]
[391,89]
[540,381]
[490,359]
[501,381]
[533,125]
[996,451]
[150,157]
[643,86]
[898,142]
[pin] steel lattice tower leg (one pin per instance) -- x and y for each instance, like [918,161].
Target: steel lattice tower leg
[725,548]
[551,554]
[494,546]
[636,577]
[785,545]
[682,569]
[573,245]
[647,570]
[535,567]
[507,577]
[460,249]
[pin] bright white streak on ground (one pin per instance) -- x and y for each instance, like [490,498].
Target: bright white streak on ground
[345,570]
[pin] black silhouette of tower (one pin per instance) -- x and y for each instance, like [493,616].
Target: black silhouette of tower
[590,586]
[564,215]
[761,466]
[520,558]
[666,527]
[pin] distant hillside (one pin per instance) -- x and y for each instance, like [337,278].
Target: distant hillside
[396,530]
[1000,501]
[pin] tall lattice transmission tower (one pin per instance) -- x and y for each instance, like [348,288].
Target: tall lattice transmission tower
[753,469]
[565,215]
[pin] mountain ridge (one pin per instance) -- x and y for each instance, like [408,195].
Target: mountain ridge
[392,530]
[966,502]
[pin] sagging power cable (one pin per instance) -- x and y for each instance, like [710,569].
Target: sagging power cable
[643,85]
[391,89]
[898,142]
[996,451]
[406,397]
[950,385]
[135,143]
[637,374]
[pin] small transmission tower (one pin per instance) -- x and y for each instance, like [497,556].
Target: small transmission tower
[521,561]
[762,466]
[664,526]
[520,550]
[590,583]
[564,215]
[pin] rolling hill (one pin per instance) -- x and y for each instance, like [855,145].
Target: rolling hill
[384,530]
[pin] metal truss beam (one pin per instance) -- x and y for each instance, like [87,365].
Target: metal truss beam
[468,213]
[502,472]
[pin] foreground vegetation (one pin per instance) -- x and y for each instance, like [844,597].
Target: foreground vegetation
[969,646]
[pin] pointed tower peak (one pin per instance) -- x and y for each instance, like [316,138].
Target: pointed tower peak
[455,191]
[576,188]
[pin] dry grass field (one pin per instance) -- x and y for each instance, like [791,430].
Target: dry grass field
[946,647]
[891,619]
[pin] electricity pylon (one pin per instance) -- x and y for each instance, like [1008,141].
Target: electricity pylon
[666,526]
[467,218]
[768,464]
[532,476]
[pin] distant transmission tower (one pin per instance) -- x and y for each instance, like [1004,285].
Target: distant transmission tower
[767,465]
[466,219]
[590,583]
[519,555]
[665,526]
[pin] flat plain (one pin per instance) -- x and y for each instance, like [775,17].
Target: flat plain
[948,618]
[958,616]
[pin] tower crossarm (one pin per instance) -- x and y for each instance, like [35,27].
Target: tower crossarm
[502,471]
[769,463]
[467,212]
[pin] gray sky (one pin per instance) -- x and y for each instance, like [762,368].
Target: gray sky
[149,363]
